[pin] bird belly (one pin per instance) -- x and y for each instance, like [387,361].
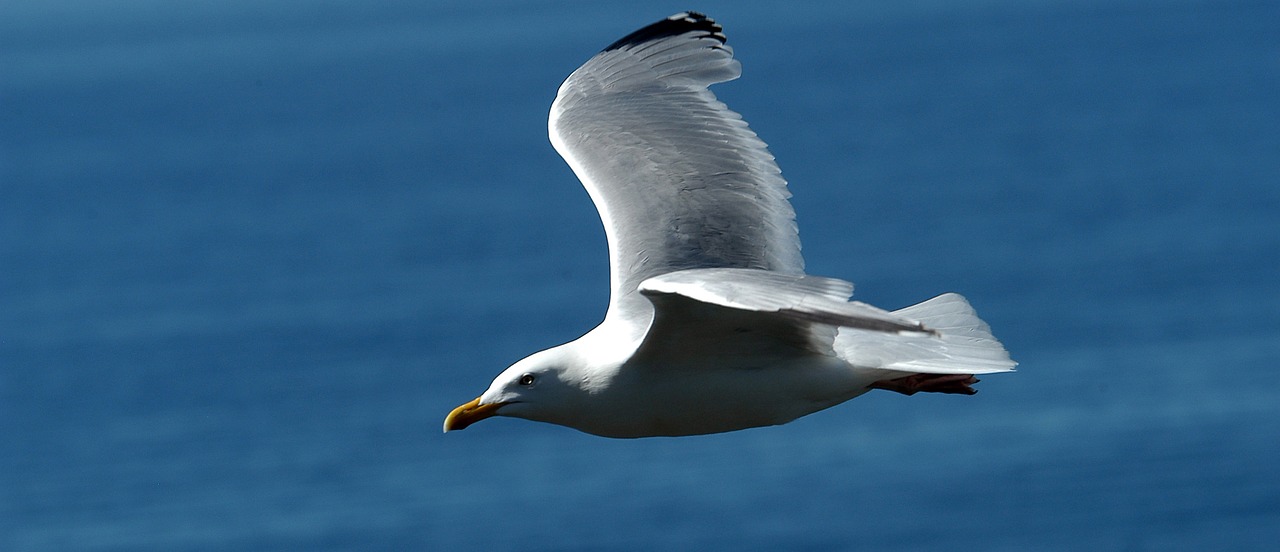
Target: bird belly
[727,395]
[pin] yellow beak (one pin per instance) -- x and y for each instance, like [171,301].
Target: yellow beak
[468,414]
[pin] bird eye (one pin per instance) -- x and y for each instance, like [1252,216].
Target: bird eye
[526,380]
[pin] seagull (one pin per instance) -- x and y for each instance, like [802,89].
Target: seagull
[712,324]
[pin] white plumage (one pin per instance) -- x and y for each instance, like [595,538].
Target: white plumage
[712,324]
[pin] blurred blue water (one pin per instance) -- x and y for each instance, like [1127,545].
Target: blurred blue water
[251,254]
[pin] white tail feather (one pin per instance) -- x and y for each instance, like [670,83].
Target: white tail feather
[963,343]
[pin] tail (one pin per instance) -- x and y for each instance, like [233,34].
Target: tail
[962,342]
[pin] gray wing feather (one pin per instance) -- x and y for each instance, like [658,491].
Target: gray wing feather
[940,336]
[797,297]
[679,180]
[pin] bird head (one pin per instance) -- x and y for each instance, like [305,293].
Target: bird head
[535,388]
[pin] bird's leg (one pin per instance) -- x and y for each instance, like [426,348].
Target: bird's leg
[929,383]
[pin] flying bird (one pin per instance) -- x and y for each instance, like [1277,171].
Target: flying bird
[712,324]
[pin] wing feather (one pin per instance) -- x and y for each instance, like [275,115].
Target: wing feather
[802,298]
[680,181]
[708,309]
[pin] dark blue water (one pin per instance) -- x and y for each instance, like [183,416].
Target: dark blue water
[251,253]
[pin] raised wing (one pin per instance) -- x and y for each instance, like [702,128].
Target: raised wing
[678,178]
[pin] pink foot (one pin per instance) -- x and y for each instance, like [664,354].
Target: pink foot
[929,383]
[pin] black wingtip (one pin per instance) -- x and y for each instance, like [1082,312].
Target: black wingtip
[677,24]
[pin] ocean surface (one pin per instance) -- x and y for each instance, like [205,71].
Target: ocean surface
[251,253]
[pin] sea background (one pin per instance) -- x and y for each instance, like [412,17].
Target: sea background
[251,253]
